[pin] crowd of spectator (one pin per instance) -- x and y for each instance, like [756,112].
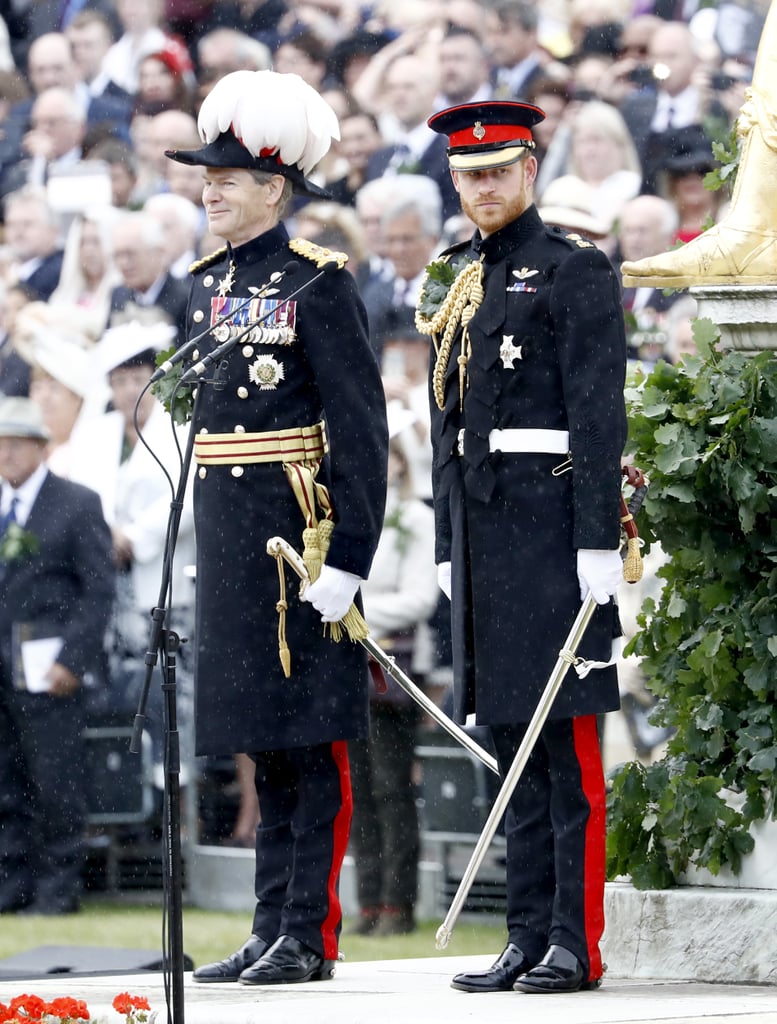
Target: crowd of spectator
[99,227]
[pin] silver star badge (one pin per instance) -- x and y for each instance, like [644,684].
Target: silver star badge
[266,372]
[508,352]
[225,284]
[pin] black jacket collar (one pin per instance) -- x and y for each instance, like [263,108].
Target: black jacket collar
[496,247]
[260,248]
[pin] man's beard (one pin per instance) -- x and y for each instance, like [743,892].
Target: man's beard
[494,218]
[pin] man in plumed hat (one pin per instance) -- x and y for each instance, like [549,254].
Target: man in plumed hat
[290,440]
[528,425]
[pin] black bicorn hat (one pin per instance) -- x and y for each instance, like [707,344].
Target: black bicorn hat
[264,121]
[494,133]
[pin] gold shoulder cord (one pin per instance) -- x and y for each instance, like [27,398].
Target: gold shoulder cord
[207,261]
[317,253]
[461,303]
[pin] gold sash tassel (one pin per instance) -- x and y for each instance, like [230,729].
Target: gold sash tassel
[282,607]
[316,536]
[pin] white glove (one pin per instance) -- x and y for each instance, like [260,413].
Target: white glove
[599,571]
[333,592]
[444,578]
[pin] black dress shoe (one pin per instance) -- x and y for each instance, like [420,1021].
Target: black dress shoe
[287,961]
[558,971]
[231,968]
[500,975]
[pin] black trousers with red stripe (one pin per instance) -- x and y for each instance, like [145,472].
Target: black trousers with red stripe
[306,806]
[555,832]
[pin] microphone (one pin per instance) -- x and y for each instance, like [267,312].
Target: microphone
[289,268]
[197,369]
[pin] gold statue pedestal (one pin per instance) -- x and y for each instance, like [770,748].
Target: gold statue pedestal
[745,314]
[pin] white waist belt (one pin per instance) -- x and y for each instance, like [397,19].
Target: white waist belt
[525,439]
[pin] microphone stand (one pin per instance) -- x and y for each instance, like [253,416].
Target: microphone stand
[166,642]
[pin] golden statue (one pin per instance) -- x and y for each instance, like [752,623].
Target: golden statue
[742,247]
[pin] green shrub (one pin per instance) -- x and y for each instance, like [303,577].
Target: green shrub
[705,433]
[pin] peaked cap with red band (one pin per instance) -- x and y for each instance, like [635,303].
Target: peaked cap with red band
[491,134]
[264,121]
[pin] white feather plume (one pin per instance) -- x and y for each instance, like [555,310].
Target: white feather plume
[269,111]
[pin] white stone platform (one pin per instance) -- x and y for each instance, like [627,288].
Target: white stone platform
[416,992]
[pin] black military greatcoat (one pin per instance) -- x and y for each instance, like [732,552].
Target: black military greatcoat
[511,523]
[327,372]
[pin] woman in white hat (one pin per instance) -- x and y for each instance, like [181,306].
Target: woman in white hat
[64,380]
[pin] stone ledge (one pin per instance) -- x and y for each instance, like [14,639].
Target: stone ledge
[691,933]
[222,878]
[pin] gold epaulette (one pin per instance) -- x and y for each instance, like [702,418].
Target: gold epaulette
[207,261]
[317,253]
[580,242]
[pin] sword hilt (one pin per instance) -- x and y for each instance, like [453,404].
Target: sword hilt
[632,562]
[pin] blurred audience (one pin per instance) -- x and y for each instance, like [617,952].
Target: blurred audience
[517,58]
[687,162]
[411,225]
[223,50]
[647,226]
[603,155]
[360,139]
[180,220]
[89,274]
[136,494]
[14,370]
[676,97]
[409,89]
[147,291]
[60,598]
[33,237]
[64,380]
[400,594]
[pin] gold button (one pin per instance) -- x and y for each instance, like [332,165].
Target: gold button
[237,471]
[248,351]
[204,430]
[242,392]
[198,316]
[203,472]
[208,280]
[239,428]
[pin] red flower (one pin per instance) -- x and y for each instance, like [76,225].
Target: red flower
[33,1006]
[65,1007]
[125,1003]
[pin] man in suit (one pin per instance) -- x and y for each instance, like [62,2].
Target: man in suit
[647,227]
[53,143]
[673,101]
[411,226]
[410,86]
[91,35]
[32,233]
[55,594]
[511,38]
[51,65]
[464,69]
[148,291]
